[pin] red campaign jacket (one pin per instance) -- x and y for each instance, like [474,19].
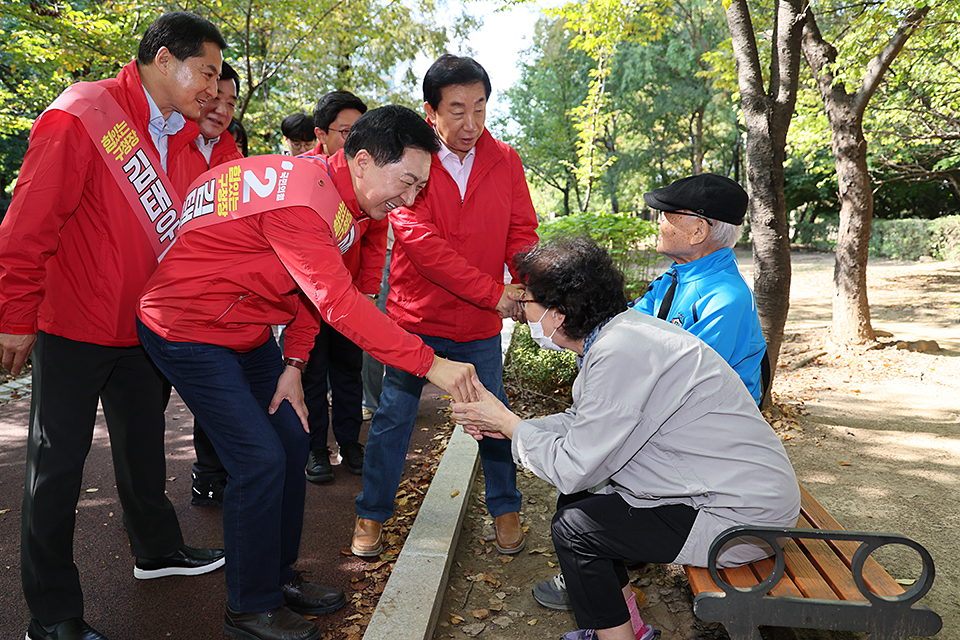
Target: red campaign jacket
[446,270]
[73,257]
[194,162]
[225,284]
[365,257]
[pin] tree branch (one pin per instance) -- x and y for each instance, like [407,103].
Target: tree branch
[882,61]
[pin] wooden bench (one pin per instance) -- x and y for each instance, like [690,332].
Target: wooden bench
[822,578]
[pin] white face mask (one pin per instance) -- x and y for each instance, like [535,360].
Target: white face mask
[536,332]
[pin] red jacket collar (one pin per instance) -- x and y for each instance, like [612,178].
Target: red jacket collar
[138,108]
[340,173]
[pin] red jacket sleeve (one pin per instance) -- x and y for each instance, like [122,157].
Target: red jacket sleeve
[523,221]
[314,262]
[48,192]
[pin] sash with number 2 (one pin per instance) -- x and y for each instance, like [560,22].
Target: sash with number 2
[263,183]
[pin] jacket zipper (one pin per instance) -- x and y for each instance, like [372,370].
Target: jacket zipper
[227,310]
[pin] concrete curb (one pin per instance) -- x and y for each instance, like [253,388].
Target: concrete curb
[410,603]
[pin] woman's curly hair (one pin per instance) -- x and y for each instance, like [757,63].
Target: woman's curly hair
[576,277]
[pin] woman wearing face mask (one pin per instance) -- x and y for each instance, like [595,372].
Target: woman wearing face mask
[662,450]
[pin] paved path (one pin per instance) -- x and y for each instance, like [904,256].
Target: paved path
[182,608]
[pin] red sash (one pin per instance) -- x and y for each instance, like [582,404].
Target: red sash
[135,165]
[263,183]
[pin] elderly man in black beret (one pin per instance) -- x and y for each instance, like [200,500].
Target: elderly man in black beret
[702,291]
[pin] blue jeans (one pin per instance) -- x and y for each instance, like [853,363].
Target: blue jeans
[392,427]
[264,455]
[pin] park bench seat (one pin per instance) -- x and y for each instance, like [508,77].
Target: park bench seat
[822,578]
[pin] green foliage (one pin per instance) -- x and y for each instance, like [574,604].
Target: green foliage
[644,113]
[946,231]
[544,372]
[628,239]
[819,233]
[901,239]
[542,101]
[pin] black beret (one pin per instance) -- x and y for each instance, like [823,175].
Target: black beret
[708,194]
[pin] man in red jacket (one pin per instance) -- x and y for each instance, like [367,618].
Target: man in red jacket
[88,220]
[334,356]
[206,316]
[446,285]
[212,147]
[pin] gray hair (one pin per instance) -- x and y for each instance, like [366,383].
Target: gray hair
[725,234]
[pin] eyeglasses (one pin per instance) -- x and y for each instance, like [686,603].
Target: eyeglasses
[523,303]
[300,147]
[343,132]
[687,213]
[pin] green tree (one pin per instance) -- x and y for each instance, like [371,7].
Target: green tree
[550,87]
[845,110]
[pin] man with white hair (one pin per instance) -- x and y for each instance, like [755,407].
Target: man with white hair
[703,291]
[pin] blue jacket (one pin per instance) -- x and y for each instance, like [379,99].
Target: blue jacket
[713,302]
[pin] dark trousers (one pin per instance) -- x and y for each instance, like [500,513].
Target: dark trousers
[333,356]
[229,393]
[596,535]
[208,468]
[69,379]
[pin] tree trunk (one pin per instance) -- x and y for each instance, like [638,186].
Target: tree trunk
[767,115]
[851,309]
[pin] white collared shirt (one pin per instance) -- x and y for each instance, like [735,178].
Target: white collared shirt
[459,171]
[160,129]
[206,146]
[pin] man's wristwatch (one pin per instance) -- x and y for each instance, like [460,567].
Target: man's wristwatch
[295,362]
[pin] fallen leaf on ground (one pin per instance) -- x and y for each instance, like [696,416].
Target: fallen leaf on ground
[455,619]
[474,629]
[481,614]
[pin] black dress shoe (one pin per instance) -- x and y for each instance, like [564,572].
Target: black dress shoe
[352,455]
[185,561]
[204,494]
[318,465]
[310,599]
[279,624]
[72,629]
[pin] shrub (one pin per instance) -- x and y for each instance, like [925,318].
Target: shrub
[542,372]
[946,232]
[904,239]
[628,239]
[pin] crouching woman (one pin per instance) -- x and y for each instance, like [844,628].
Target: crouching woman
[662,450]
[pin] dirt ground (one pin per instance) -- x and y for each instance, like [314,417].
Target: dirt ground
[874,434]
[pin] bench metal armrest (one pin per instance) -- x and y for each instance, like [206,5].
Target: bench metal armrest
[869,542]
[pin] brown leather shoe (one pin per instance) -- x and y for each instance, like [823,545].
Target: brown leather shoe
[367,541]
[509,533]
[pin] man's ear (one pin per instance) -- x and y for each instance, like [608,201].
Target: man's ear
[361,161]
[162,60]
[431,114]
[701,232]
[321,137]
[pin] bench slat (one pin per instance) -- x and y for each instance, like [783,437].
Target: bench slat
[739,576]
[700,580]
[831,567]
[876,578]
[805,575]
[786,588]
